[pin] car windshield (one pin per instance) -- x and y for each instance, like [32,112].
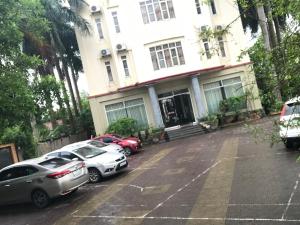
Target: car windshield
[89,151]
[54,163]
[97,144]
[291,109]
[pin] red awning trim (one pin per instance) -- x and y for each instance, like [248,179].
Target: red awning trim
[171,77]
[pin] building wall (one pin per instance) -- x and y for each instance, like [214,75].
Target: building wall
[139,37]
[244,71]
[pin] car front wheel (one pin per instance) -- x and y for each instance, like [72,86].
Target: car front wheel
[127,151]
[95,175]
[40,199]
[288,144]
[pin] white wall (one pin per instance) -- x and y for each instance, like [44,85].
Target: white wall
[138,37]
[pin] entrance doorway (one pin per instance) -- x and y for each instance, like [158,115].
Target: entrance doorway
[176,108]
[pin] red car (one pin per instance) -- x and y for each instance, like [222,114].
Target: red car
[130,145]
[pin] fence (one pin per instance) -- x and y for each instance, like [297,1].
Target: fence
[45,147]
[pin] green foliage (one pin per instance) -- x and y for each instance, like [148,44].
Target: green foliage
[21,138]
[86,119]
[233,104]
[123,127]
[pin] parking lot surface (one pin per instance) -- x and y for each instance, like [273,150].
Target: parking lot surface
[223,177]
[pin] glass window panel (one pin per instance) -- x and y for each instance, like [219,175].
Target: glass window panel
[144,13]
[174,56]
[231,81]
[164,10]
[162,63]
[139,114]
[171,9]
[154,61]
[133,102]
[99,28]
[234,90]
[211,85]
[168,57]
[151,13]
[182,91]
[213,7]
[115,106]
[165,94]
[115,115]
[181,56]
[158,11]
[213,98]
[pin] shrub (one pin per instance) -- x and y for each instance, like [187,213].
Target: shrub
[123,127]
[21,138]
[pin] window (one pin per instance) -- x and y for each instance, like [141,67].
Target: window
[157,10]
[167,55]
[116,21]
[109,72]
[132,109]
[8,174]
[125,65]
[221,43]
[99,28]
[68,155]
[54,163]
[198,8]
[220,90]
[213,7]
[206,44]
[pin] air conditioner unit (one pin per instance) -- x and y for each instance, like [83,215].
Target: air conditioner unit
[95,9]
[105,52]
[121,47]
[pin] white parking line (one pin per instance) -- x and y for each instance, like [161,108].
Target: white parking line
[194,218]
[291,197]
[182,188]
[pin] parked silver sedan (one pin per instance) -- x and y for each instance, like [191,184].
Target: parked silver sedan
[38,180]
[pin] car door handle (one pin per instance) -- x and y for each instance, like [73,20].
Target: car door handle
[28,181]
[7,185]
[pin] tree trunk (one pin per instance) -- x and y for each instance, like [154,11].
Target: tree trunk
[67,76]
[272,35]
[262,20]
[277,28]
[76,86]
[265,33]
[65,94]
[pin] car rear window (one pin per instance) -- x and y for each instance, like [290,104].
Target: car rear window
[54,163]
[292,109]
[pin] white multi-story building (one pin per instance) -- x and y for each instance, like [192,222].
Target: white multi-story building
[147,59]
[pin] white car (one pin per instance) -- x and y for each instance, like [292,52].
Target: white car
[290,122]
[99,162]
[111,147]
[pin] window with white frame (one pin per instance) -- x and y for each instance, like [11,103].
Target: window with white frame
[198,8]
[99,28]
[116,21]
[221,43]
[131,109]
[206,44]
[220,90]
[157,10]
[167,55]
[213,7]
[125,65]
[109,72]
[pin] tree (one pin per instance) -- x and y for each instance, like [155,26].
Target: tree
[16,97]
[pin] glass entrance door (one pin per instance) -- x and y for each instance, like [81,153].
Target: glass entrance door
[176,108]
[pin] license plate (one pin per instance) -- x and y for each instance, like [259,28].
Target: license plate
[76,173]
[123,163]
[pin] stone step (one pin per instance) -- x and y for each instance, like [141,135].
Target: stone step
[185,132]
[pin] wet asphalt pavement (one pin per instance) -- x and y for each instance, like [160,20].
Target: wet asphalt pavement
[223,177]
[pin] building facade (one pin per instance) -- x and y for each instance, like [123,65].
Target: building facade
[154,61]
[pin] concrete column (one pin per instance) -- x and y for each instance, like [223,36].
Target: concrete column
[155,106]
[198,97]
